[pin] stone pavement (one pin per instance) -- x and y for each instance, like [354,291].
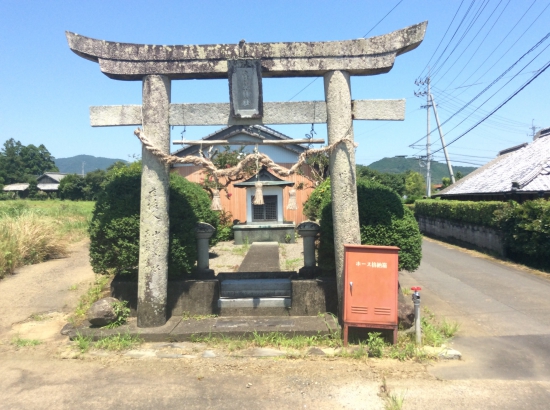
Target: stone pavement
[261,257]
[503,312]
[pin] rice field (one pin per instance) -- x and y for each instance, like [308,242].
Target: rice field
[35,231]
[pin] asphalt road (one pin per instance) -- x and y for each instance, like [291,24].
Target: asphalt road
[504,312]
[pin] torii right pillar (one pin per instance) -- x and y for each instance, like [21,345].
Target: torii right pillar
[345,211]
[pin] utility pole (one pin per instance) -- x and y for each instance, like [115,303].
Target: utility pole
[533,129]
[428,171]
[428,155]
[83,163]
[442,140]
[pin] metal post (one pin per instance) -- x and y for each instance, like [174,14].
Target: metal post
[417,324]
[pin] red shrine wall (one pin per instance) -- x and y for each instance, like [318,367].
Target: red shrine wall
[235,202]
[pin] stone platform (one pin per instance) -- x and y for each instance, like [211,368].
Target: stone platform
[178,329]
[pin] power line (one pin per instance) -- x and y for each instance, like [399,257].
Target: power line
[466,31]
[382,19]
[494,82]
[484,102]
[501,57]
[502,41]
[442,38]
[454,34]
[542,70]
[295,95]
[466,48]
[482,41]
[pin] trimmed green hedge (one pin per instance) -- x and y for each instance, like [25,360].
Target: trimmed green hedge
[471,212]
[114,229]
[525,227]
[383,219]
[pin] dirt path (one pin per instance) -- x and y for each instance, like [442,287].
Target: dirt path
[44,376]
[52,287]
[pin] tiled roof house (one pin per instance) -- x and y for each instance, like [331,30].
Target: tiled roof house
[520,173]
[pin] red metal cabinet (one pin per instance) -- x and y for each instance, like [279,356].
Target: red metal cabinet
[370,287]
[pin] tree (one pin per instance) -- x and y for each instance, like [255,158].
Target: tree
[393,181]
[226,158]
[71,187]
[20,163]
[93,182]
[414,184]
[318,165]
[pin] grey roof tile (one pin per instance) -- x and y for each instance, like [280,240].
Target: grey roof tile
[528,167]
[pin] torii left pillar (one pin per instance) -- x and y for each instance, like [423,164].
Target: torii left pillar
[154,221]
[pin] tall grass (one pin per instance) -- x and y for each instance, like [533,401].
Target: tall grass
[32,231]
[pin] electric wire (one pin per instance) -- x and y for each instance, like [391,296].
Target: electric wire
[454,34]
[466,48]
[502,41]
[501,57]
[466,31]
[494,82]
[542,70]
[382,19]
[442,38]
[483,103]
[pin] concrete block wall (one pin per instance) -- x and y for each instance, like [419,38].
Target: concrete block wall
[480,237]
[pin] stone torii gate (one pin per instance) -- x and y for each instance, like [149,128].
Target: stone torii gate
[244,64]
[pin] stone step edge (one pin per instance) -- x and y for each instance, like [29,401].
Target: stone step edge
[254,303]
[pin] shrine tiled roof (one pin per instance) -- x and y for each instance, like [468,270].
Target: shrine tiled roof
[259,131]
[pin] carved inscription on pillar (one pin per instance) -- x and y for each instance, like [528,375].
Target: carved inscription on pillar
[245,88]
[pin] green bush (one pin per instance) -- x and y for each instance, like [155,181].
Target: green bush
[382,217]
[471,212]
[114,230]
[225,227]
[526,229]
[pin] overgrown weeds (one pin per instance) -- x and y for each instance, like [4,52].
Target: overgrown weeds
[274,339]
[122,312]
[118,342]
[20,342]
[392,401]
[32,232]
[292,264]
[114,343]
[93,294]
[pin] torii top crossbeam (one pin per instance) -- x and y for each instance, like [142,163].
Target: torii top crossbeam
[370,56]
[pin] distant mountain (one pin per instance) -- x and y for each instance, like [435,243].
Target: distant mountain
[73,165]
[397,165]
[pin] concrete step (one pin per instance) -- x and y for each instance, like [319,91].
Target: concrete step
[255,288]
[254,306]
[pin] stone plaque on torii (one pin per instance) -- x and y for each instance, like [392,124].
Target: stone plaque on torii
[243,64]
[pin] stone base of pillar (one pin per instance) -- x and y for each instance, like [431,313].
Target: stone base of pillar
[204,274]
[309,272]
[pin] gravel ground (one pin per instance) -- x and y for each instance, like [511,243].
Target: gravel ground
[227,257]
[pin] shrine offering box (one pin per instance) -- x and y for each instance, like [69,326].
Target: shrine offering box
[370,288]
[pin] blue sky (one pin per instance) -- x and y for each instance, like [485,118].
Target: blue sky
[46,90]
